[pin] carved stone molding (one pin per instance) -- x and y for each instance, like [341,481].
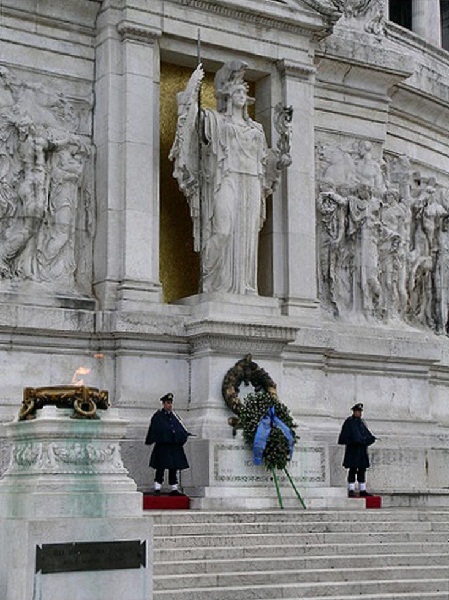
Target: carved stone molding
[250,16]
[294,70]
[236,338]
[136,32]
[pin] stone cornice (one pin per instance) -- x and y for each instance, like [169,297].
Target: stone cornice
[129,30]
[304,22]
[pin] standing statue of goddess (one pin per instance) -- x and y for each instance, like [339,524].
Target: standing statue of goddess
[227,177]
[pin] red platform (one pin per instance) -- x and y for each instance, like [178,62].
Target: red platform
[370,501]
[373,502]
[165,502]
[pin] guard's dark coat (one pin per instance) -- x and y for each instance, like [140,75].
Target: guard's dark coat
[356,436]
[168,435]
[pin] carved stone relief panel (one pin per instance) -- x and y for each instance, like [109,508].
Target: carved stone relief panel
[362,15]
[383,231]
[46,191]
[66,457]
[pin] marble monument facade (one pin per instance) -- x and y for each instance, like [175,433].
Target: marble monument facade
[353,286]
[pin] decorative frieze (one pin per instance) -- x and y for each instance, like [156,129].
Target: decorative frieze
[327,12]
[65,458]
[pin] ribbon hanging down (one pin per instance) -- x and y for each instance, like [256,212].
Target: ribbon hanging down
[263,433]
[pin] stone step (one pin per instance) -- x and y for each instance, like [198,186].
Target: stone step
[202,553]
[294,516]
[329,590]
[305,576]
[293,563]
[394,596]
[265,498]
[255,539]
[256,503]
[279,528]
[320,555]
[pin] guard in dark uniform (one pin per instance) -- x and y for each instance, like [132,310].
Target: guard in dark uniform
[356,436]
[168,435]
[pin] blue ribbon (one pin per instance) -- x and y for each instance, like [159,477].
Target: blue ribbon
[263,433]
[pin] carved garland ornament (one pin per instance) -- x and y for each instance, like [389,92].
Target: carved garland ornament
[90,458]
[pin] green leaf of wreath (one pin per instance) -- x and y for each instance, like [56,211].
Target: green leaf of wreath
[255,407]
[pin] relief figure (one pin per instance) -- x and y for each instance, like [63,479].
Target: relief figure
[55,257]
[332,209]
[31,149]
[364,209]
[393,252]
[428,214]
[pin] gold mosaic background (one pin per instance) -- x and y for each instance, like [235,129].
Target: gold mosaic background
[179,264]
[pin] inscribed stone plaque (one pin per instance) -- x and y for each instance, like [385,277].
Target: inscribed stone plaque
[90,556]
[233,463]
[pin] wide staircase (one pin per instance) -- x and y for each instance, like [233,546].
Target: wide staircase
[394,554]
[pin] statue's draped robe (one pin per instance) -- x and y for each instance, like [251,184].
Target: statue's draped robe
[225,189]
[235,156]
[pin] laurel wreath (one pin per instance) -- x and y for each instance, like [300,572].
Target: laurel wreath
[255,407]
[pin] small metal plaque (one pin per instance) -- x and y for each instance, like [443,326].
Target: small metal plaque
[90,556]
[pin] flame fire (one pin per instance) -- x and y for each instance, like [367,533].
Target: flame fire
[79,373]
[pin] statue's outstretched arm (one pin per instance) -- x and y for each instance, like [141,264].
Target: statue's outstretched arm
[184,152]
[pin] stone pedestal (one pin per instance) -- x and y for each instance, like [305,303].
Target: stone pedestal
[256,327]
[223,476]
[71,518]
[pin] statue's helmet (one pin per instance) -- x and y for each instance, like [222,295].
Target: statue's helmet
[227,79]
